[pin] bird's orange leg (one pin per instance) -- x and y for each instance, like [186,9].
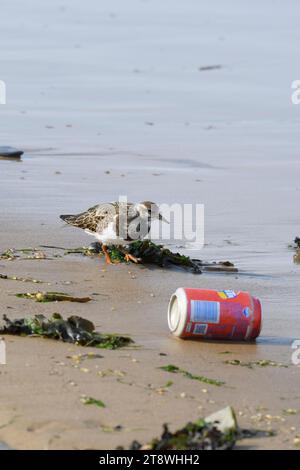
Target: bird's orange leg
[129,257]
[106,254]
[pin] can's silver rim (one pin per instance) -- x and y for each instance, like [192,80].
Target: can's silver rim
[173,324]
[177,312]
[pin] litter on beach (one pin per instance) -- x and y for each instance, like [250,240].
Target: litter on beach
[211,314]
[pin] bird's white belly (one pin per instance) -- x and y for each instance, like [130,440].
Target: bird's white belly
[108,236]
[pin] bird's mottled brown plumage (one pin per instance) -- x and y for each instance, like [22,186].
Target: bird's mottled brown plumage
[98,218]
[95,219]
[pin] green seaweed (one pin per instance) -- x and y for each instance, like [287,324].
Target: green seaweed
[75,330]
[8,254]
[250,364]
[158,254]
[201,378]
[93,401]
[45,297]
[82,250]
[168,384]
[290,411]
[151,253]
[23,279]
[199,435]
[14,253]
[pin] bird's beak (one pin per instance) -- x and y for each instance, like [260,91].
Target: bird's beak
[161,217]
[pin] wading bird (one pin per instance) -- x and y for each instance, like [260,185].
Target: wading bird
[117,224]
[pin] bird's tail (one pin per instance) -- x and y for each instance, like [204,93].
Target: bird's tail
[69,219]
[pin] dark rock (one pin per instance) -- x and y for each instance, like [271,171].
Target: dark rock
[10,152]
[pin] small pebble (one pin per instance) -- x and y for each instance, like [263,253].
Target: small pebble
[296,441]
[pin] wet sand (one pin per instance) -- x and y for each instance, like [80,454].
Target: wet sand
[140,109]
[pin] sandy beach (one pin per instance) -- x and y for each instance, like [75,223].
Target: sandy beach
[108,99]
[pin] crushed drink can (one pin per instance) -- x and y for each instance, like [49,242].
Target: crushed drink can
[212,314]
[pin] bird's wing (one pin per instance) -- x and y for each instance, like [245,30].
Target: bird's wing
[95,219]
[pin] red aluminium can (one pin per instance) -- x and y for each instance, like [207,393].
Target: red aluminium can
[211,314]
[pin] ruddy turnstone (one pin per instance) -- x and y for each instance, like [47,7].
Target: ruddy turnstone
[117,223]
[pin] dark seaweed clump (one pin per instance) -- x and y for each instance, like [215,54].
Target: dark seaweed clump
[194,436]
[149,252]
[75,330]
[145,251]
